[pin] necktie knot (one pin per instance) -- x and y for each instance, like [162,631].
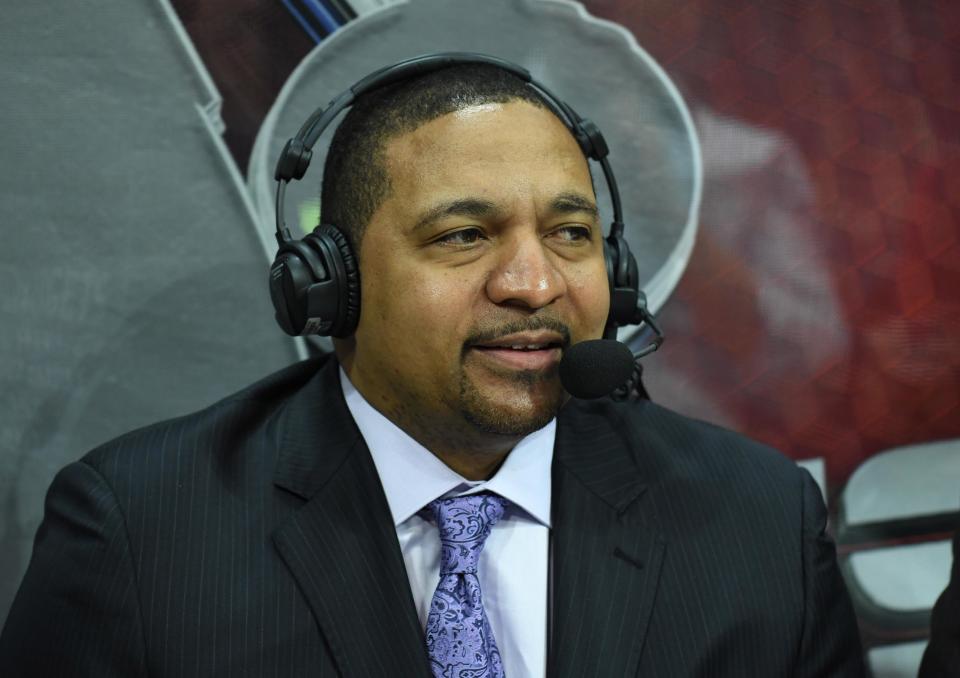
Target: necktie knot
[465,524]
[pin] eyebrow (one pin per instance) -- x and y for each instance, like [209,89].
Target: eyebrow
[571,203]
[479,208]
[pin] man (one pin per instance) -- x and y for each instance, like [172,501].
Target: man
[428,501]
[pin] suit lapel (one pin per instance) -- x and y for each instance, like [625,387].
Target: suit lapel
[607,548]
[341,545]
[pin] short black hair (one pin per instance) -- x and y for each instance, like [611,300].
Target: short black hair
[355,178]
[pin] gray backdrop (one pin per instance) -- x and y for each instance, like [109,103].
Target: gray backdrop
[133,279]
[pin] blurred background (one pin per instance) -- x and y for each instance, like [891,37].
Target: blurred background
[791,179]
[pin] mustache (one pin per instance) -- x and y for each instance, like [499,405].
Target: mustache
[527,325]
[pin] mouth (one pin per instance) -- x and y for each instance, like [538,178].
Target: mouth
[537,350]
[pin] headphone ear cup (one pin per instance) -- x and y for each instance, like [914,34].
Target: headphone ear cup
[610,257]
[348,273]
[297,269]
[624,278]
[315,285]
[282,293]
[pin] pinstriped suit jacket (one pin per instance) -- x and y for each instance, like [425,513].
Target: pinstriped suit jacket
[253,539]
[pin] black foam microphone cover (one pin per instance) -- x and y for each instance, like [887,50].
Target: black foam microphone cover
[595,368]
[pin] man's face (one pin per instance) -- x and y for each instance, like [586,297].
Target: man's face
[484,262]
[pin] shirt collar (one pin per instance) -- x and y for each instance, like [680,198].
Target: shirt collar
[412,476]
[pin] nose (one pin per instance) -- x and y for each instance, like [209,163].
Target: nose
[525,275]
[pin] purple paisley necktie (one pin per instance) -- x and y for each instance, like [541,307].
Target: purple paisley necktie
[459,639]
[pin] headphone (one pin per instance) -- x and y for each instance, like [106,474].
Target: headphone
[315,281]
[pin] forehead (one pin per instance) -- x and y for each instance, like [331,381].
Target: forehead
[503,152]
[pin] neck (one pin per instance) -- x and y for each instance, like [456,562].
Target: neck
[470,452]
[473,454]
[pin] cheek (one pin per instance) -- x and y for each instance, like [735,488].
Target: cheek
[420,307]
[590,291]
[446,304]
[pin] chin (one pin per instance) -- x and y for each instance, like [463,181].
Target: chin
[515,412]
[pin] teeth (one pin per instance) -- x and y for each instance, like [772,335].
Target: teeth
[528,347]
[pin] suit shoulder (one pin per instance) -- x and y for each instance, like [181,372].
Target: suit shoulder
[676,445]
[217,427]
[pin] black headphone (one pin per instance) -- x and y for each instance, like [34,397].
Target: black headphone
[315,281]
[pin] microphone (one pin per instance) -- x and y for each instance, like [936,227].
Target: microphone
[598,367]
[595,368]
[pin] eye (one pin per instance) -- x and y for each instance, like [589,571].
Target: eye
[462,238]
[574,233]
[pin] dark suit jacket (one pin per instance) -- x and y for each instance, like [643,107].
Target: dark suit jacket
[254,539]
[942,656]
